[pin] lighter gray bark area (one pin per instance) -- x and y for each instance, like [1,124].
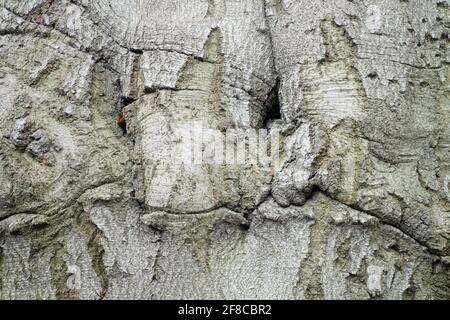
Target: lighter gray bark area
[359,208]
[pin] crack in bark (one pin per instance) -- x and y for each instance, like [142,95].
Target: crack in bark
[155,266]
[404,63]
[270,36]
[183,212]
[382,221]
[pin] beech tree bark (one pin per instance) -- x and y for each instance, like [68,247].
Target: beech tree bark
[358,208]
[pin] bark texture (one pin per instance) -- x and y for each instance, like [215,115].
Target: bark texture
[359,208]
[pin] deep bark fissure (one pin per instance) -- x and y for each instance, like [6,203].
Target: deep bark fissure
[272,105]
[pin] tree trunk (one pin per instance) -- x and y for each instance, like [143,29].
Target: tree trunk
[100,99]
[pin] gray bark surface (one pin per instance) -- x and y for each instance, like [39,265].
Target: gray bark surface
[359,207]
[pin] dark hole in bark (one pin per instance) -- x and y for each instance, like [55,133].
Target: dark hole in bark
[120,116]
[126,101]
[121,122]
[373,75]
[136,51]
[272,105]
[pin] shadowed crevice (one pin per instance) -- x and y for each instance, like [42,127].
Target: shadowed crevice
[272,105]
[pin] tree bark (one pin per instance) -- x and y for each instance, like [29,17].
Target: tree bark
[94,206]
